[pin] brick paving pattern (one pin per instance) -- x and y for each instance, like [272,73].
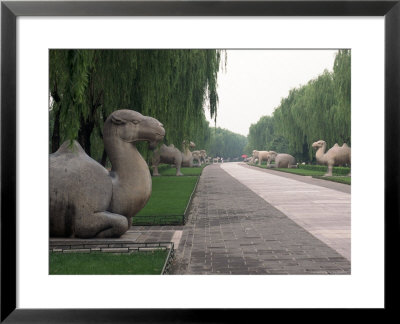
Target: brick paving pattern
[324,211]
[232,230]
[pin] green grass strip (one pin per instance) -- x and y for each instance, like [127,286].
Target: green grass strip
[340,179]
[337,176]
[169,196]
[107,263]
[302,172]
[195,171]
[323,168]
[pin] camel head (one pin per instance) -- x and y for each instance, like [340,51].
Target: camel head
[319,144]
[191,144]
[131,126]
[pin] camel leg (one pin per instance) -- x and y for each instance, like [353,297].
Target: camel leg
[329,173]
[155,171]
[101,224]
[178,170]
[156,162]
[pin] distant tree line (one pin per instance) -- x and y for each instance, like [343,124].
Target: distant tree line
[318,110]
[172,86]
[226,144]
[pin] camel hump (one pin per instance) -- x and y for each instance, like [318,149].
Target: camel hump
[171,145]
[345,145]
[69,147]
[336,145]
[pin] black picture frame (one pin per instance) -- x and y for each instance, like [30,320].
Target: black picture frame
[10,10]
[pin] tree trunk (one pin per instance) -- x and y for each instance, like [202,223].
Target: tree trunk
[84,136]
[55,138]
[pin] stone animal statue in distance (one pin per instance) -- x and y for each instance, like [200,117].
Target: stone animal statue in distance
[203,156]
[86,200]
[260,155]
[336,155]
[282,160]
[169,155]
[187,157]
[196,157]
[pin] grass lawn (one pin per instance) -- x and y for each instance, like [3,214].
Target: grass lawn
[341,179]
[302,172]
[169,197]
[195,171]
[107,263]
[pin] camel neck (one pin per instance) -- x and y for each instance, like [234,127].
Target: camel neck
[131,180]
[320,152]
[126,160]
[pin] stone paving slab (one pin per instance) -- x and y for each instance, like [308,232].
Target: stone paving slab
[323,211]
[307,179]
[232,230]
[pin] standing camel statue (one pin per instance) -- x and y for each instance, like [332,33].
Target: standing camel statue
[336,155]
[169,155]
[86,200]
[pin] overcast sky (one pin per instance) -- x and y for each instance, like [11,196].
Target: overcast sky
[255,81]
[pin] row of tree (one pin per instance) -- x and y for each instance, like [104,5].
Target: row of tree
[226,144]
[172,86]
[318,110]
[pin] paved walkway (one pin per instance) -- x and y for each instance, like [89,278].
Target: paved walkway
[233,229]
[322,211]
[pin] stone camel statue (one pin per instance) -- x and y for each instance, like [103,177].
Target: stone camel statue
[336,155]
[187,157]
[260,155]
[282,160]
[169,155]
[86,200]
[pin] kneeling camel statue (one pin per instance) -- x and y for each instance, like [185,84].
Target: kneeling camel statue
[86,200]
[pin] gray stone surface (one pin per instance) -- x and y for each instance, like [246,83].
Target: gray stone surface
[323,212]
[231,230]
[85,200]
[306,179]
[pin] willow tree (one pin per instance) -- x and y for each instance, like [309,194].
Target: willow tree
[318,110]
[341,110]
[262,136]
[226,144]
[172,86]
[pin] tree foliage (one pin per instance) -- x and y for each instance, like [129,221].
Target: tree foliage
[226,144]
[172,86]
[262,137]
[318,110]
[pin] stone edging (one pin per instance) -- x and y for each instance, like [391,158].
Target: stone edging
[112,246]
[186,212]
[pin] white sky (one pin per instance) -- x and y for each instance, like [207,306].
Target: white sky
[255,81]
